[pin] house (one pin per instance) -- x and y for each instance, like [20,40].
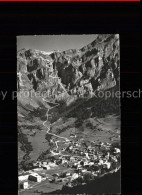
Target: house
[108,165]
[86,154]
[35,177]
[46,167]
[63,174]
[81,153]
[71,147]
[24,185]
[56,157]
[72,135]
[108,144]
[58,162]
[65,179]
[55,175]
[74,176]
[72,159]
[79,169]
[86,163]
[101,162]
[58,179]
[70,164]
[91,163]
[117,150]
[78,166]
[64,161]
[37,169]
[39,164]
[83,170]
[75,164]
[44,163]
[68,174]
[67,157]
[35,164]
[23,177]
[52,164]
[107,155]
[114,158]
[44,175]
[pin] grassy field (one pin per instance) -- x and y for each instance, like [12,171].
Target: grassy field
[106,129]
[34,133]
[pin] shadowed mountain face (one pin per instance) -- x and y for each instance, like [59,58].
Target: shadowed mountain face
[70,78]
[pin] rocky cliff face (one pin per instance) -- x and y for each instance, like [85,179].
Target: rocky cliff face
[79,72]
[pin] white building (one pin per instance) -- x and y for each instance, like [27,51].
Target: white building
[68,174]
[47,167]
[108,155]
[95,157]
[91,163]
[101,162]
[117,150]
[114,158]
[72,159]
[23,177]
[24,185]
[52,164]
[36,169]
[108,164]
[74,176]
[87,155]
[35,177]
[44,163]
[64,161]
[83,170]
[78,166]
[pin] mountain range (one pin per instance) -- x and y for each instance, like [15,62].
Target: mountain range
[71,79]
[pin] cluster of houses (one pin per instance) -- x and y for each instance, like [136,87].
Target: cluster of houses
[26,177]
[77,159]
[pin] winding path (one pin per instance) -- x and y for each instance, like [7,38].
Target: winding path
[49,126]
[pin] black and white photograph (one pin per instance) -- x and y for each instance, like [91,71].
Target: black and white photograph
[69,114]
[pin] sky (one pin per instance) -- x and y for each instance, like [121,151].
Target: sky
[53,42]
